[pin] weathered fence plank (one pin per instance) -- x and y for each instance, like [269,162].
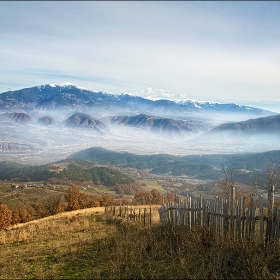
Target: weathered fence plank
[225,217]
[261,220]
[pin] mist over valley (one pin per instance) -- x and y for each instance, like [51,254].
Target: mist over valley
[48,122]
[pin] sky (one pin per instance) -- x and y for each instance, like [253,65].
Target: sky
[219,51]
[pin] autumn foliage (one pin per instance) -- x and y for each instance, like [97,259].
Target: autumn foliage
[74,199]
[5,216]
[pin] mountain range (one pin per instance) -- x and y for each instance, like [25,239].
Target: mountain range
[68,96]
[49,118]
[265,127]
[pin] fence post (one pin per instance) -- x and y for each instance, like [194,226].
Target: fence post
[223,217]
[261,220]
[226,222]
[277,225]
[238,220]
[126,211]
[145,210]
[200,210]
[150,215]
[231,209]
[274,220]
[253,220]
[120,212]
[270,198]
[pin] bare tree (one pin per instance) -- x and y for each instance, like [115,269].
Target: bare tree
[53,204]
[270,180]
[227,182]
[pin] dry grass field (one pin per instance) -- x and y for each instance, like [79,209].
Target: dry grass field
[84,244]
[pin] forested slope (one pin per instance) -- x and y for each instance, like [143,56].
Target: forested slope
[70,169]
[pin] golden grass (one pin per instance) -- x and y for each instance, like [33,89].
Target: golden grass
[84,244]
[39,248]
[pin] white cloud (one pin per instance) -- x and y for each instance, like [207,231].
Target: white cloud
[153,93]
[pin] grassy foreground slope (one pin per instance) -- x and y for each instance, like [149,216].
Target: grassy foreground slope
[87,246]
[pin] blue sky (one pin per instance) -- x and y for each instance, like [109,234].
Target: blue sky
[220,51]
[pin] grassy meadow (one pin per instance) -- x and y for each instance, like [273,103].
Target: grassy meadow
[84,244]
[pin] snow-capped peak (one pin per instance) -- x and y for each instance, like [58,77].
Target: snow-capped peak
[83,88]
[66,84]
[196,102]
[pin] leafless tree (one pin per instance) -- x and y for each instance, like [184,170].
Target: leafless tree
[227,181]
[53,203]
[270,180]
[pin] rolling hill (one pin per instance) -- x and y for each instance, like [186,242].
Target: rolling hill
[70,169]
[85,121]
[246,165]
[18,117]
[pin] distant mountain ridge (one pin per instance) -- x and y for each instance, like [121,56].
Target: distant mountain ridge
[159,125]
[268,127]
[51,117]
[67,96]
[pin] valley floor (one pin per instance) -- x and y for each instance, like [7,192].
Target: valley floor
[149,147]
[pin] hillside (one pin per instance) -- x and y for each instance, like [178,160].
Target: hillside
[18,117]
[165,126]
[247,165]
[47,120]
[264,127]
[84,245]
[156,164]
[85,121]
[71,169]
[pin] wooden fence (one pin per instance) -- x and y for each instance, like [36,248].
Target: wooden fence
[233,218]
[145,215]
